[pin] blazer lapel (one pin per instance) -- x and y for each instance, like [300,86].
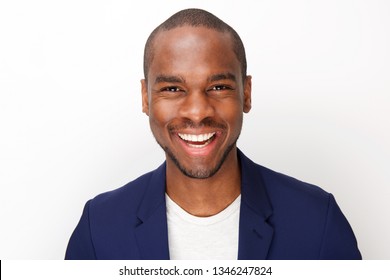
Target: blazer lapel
[152,232]
[255,234]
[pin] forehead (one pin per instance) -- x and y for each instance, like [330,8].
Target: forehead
[189,48]
[186,31]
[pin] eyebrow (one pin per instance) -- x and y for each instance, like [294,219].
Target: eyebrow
[178,79]
[168,79]
[222,76]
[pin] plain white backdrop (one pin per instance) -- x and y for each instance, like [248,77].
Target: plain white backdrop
[71,124]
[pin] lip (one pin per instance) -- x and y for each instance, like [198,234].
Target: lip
[199,148]
[197,139]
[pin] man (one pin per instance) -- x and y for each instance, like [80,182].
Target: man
[208,200]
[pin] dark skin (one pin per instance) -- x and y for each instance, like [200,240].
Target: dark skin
[195,98]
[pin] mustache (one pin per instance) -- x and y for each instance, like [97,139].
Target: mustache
[210,123]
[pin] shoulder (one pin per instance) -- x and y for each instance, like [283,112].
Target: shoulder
[282,195]
[278,185]
[306,218]
[108,221]
[131,191]
[127,198]
[296,201]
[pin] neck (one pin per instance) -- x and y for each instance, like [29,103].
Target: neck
[205,197]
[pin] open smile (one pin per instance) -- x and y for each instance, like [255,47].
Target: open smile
[197,140]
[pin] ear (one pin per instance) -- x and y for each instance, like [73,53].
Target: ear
[247,94]
[145,98]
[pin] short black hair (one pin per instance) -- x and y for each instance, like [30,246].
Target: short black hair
[195,18]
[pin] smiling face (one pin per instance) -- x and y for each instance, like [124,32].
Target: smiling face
[195,99]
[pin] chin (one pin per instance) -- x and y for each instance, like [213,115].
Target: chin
[199,173]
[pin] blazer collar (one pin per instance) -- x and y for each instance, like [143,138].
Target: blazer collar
[255,234]
[152,232]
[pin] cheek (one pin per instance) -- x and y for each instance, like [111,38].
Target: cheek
[236,123]
[232,114]
[159,116]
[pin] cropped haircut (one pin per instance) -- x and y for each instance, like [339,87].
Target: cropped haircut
[195,18]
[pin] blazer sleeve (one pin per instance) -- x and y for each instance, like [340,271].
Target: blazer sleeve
[80,246]
[339,241]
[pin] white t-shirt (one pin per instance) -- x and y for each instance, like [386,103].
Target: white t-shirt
[203,238]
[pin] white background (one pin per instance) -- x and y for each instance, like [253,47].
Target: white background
[71,124]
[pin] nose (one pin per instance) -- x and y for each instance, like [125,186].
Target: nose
[196,107]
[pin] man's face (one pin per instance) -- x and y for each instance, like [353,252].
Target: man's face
[195,98]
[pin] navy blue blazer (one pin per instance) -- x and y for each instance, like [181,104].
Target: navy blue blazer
[280,218]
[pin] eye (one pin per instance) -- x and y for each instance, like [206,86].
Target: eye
[220,88]
[171,89]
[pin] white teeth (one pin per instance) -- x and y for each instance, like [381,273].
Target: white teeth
[196,138]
